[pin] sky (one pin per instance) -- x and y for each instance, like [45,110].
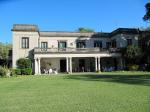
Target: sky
[69,15]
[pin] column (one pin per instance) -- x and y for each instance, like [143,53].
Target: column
[99,64]
[95,64]
[121,63]
[70,64]
[35,66]
[67,65]
[39,66]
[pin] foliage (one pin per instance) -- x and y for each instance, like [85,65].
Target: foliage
[18,71]
[26,71]
[144,43]
[4,71]
[4,50]
[15,72]
[147,15]
[24,63]
[133,67]
[12,72]
[81,29]
[133,52]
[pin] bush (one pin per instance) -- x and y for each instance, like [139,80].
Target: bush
[133,67]
[18,71]
[24,63]
[15,72]
[3,71]
[26,71]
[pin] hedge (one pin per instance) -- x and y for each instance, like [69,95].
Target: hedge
[24,63]
[26,71]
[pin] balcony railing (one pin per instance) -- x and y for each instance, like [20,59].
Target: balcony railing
[74,50]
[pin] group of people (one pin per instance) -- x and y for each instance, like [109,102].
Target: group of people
[50,71]
[108,69]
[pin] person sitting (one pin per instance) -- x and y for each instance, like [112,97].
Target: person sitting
[45,71]
[50,71]
[55,71]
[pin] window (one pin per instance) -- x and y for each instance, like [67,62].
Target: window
[114,44]
[62,44]
[44,45]
[98,44]
[108,44]
[129,42]
[81,44]
[25,42]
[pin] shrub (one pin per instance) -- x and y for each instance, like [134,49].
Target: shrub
[13,72]
[18,71]
[3,71]
[26,71]
[133,67]
[24,63]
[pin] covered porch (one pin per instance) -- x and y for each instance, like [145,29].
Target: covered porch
[47,65]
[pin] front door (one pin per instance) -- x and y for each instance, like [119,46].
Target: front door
[82,65]
[62,65]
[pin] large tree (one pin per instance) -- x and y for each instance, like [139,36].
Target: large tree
[147,15]
[132,54]
[145,36]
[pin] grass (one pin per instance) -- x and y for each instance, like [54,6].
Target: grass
[89,92]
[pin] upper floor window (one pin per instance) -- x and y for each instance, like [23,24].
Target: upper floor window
[44,45]
[25,42]
[114,44]
[81,44]
[98,44]
[129,42]
[62,44]
[108,44]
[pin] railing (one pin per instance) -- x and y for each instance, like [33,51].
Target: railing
[73,50]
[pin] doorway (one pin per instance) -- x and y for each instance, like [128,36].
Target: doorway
[82,65]
[62,65]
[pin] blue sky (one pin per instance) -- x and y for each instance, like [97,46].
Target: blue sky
[69,15]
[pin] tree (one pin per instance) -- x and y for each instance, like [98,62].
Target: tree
[133,54]
[145,36]
[24,65]
[4,50]
[84,30]
[147,15]
[144,43]
[4,53]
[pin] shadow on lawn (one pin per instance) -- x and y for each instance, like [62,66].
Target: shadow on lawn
[127,79]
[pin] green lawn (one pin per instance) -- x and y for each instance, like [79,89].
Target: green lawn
[91,92]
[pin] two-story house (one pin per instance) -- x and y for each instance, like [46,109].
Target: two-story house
[71,51]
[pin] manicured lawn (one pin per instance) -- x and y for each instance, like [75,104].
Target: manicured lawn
[106,92]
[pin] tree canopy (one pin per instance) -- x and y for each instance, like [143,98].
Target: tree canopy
[82,29]
[4,50]
[147,15]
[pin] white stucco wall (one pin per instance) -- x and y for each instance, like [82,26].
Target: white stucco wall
[71,41]
[18,52]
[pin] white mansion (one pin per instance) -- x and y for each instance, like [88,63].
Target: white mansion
[71,51]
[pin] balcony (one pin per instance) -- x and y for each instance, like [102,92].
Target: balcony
[74,50]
